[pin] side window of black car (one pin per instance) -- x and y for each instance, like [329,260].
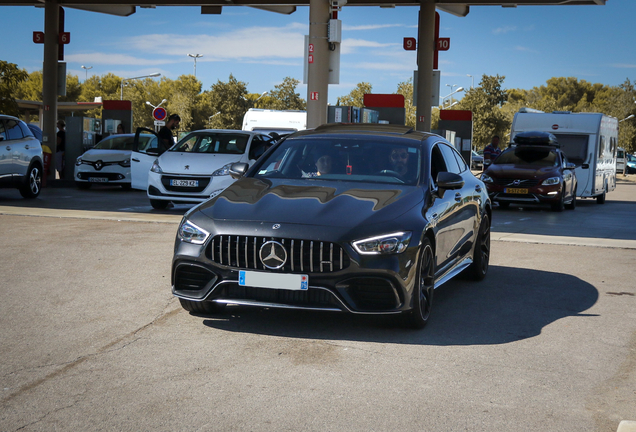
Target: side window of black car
[449,158]
[437,162]
[13,130]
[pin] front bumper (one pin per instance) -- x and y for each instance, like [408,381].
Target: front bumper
[369,284]
[160,187]
[535,195]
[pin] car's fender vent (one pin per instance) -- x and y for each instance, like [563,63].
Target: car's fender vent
[371,294]
[190,277]
[303,256]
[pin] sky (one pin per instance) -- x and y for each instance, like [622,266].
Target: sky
[527,45]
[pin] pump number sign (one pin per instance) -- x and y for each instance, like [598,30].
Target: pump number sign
[159,113]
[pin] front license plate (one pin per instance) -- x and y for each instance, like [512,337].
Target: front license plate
[516,191]
[98,179]
[186,183]
[295,282]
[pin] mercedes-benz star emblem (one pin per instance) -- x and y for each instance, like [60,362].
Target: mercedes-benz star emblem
[98,165]
[275,226]
[273,255]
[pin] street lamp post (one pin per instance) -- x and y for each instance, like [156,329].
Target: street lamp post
[631,116]
[461,89]
[210,118]
[155,107]
[472,83]
[86,68]
[195,57]
[121,94]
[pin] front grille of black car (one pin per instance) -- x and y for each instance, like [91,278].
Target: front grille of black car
[371,294]
[203,183]
[315,298]
[192,278]
[522,183]
[303,256]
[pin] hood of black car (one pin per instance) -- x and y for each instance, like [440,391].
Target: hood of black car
[317,203]
[521,171]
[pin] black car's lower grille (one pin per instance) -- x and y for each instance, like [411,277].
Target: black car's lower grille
[315,298]
[203,182]
[511,182]
[371,294]
[192,278]
[303,256]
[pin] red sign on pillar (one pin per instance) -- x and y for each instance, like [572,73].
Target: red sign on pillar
[311,47]
[310,58]
[421,119]
[410,44]
[38,37]
[314,96]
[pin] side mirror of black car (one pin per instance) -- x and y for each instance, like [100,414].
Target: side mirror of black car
[449,181]
[238,170]
[570,166]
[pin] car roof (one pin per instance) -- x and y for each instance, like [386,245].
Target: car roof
[6,116]
[365,129]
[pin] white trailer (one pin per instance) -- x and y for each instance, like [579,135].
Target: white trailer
[589,140]
[281,122]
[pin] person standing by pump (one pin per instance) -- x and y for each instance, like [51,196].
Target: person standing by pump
[60,148]
[491,151]
[166,138]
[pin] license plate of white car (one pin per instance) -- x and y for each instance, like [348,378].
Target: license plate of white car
[294,282]
[186,183]
[98,179]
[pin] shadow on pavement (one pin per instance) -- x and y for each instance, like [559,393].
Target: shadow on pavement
[511,304]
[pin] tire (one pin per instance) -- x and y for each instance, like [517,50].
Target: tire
[600,199]
[572,205]
[83,185]
[33,185]
[503,205]
[559,206]
[422,298]
[201,307]
[481,256]
[159,204]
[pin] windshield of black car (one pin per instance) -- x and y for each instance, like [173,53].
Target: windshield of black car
[123,142]
[535,156]
[364,159]
[214,142]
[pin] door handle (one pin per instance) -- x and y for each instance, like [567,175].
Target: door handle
[135,160]
[26,147]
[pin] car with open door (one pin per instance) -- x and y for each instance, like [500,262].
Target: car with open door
[198,166]
[358,218]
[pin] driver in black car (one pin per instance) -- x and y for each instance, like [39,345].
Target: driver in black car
[400,161]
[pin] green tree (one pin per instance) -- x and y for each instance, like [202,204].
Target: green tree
[485,101]
[31,88]
[284,96]
[356,96]
[405,88]
[229,99]
[10,79]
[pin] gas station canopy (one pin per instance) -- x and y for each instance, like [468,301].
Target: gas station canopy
[125,8]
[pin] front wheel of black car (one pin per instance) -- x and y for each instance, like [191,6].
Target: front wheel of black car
[417,317]
[559,205]
[201,307]
[481,256]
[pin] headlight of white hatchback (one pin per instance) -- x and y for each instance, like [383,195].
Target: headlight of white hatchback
[384,244]
[190,233]
[78,161]
[551,181]
[224,170]
[156,168]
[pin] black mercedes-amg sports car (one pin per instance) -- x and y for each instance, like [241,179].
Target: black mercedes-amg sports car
[361,218]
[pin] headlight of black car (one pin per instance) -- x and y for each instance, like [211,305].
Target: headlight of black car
[384,244]
[190,233]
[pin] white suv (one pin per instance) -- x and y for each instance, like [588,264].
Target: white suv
[21,157]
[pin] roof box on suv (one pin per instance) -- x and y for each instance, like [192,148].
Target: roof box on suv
[536,138]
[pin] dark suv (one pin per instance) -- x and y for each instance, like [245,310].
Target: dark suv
[533,171]
[20,157]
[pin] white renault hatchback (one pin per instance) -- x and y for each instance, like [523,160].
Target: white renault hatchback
[197,167]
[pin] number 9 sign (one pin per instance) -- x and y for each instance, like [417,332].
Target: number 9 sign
[410,44]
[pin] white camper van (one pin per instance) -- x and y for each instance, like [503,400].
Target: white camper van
[281,122]
[589,140]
